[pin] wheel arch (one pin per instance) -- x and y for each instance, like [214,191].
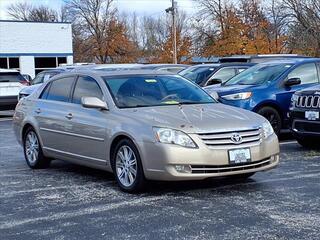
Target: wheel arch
[115,140]
[271,104]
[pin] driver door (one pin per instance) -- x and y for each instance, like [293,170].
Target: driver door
[308,75]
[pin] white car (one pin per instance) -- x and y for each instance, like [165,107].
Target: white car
[11,82]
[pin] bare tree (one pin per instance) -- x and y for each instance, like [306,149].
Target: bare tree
[27,12]
[20,11]
[305,16]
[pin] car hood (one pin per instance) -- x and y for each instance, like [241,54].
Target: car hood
[224,90]
[198,118]
[311,90]
[30,89]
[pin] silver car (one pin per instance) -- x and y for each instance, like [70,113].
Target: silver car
[142,126]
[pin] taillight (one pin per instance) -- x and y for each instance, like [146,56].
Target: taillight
[25,82]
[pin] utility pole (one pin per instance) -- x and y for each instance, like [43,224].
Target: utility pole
[173,10]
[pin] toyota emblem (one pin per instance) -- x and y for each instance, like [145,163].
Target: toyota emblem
[236,138]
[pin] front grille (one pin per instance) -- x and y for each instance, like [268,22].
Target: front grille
[307,126]
[229,168]
[308,101]
[218,139]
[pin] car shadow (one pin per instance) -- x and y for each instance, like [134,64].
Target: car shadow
[155,187]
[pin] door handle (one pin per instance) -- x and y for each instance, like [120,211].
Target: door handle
[38,111]
[69,116]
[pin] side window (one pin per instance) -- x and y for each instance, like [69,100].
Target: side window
[45,92]
[86,87]
[46,77]
[38,79]
[306,72]
[224,74]
[60,89]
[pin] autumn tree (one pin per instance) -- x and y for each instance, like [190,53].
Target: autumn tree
[102,30]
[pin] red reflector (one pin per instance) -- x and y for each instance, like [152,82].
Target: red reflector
[25,82]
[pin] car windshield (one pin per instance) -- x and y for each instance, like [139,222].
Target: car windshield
[11,77]
[197,74]
[160,90]
[258,74]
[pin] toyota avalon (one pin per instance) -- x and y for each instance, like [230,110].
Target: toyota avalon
[141,126]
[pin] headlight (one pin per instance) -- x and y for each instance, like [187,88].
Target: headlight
[267,129]
[238,96]
[167,135]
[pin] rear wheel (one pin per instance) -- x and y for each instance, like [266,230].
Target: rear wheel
[33,151]
[273,117]
[127,167]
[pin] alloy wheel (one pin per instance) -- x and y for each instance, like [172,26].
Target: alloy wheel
[32,147]
[126,166]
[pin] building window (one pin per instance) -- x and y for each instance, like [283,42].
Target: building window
[45,63]
[9,63]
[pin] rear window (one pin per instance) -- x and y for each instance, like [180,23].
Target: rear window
[11,77]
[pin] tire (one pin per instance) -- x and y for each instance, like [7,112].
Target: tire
[310,143]
[127,167]
[33,151]
[273,117]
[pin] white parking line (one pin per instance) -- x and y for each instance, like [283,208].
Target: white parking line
[288,142]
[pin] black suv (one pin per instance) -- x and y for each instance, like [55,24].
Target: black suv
[304,116]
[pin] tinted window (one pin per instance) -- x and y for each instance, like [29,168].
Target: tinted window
[38,79]
[145,91]
[60,89]
[11,77]
[259,74]
[45,92]
[197,74]
[224,74]
[86,87]
[306,72]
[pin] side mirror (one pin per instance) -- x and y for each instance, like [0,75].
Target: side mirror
[213,81]
[292,81]
[93,102]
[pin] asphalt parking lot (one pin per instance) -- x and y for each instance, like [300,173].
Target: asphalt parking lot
[71,202]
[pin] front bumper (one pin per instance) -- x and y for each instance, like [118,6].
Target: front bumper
[161,161]
[301,127]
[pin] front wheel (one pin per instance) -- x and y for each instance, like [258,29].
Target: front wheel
[127,167]
[33,151]
[273,117]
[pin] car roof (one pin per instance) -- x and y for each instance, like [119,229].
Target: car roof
[133,72]
[223,65]
[292,61]
[163,65]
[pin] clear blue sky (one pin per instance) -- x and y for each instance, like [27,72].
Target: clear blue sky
[141,7]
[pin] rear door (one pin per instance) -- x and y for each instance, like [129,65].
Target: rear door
[51,112]
[10,83]
[308,75]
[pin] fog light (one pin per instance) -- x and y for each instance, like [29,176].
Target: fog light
[183,168]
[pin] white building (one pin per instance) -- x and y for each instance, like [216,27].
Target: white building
[32,47]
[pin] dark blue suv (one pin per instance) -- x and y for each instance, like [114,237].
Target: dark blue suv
[267,88]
